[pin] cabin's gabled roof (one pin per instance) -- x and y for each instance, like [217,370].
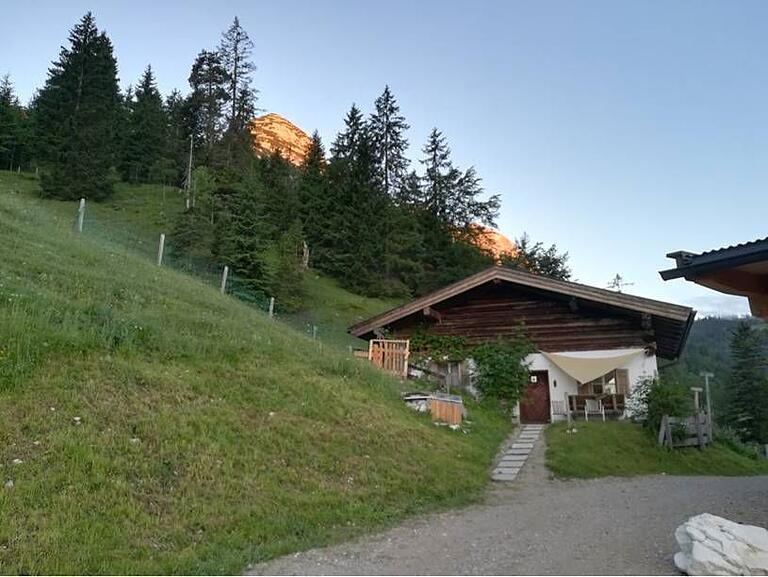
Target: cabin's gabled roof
[673,321]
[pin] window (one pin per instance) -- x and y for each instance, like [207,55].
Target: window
[615,382]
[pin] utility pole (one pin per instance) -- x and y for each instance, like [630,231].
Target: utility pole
[188,180]
[707,376]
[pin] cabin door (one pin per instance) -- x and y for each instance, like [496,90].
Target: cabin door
[534,406]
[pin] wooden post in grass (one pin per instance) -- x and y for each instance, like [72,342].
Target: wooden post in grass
[314,332]
[271,307]
[80,215]
[224,276]
[567,409]
[160,249]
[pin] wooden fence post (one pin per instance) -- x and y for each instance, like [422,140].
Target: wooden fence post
[80,215]
[160,249]
[271,307]
[224,279]
[314,332]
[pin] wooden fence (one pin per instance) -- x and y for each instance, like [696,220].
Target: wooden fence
[390,356]
[695,431]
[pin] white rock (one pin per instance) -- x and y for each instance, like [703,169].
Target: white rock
[9,484]
[711,545]
[17,461]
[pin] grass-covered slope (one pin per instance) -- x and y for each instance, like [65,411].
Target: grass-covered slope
[624,449]
[150,425]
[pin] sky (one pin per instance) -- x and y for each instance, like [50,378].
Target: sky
[619,131]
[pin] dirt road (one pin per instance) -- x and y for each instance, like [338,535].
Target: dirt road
[540,526]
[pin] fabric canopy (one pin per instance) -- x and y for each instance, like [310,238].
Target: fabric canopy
[585,369]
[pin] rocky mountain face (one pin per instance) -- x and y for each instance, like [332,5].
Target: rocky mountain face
[272,132]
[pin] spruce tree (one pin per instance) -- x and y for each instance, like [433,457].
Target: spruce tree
[146,130]
[76,114]
[206,102]
[13,128]
[315,204]
[747,408]
[388,127]
[177,134]
[235,50]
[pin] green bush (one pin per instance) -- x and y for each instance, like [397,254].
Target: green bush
[653,398]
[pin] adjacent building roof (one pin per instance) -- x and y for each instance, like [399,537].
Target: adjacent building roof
[690,265]
[741,269]
[672,322]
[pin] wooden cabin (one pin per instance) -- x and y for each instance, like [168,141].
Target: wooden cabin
[736,270]
[592,344]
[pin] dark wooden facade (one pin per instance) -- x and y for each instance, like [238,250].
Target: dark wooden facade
[554,315]
[552,324]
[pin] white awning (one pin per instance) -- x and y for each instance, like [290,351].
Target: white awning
[588,368]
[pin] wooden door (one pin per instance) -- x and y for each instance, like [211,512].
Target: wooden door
[534,406]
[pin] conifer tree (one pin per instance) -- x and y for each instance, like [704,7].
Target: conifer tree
[146,131]
[315,203]
[177,134]
[13,127]
[76,113]
[388,129]
[206,102]
[235,50]
[747,408]
[450,194]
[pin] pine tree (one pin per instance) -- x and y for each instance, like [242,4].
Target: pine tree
[13,127]
[747,408]
[76,114]
[177,133]
[235,49]
[450,194]
[206,103]
[315,204]
[388,128]
[146,131]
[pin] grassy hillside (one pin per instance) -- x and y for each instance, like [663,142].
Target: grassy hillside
[624,449]
[135,216]
[150,425]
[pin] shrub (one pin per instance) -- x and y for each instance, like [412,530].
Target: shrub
[652,398]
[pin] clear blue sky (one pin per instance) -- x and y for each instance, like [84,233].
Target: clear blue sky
[618,130]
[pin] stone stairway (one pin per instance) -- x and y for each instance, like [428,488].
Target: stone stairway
[516,454]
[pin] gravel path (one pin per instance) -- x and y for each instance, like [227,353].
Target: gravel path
[540,526]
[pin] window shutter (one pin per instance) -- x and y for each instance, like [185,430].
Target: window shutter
[622,381]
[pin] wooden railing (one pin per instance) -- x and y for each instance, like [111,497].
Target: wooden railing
[612,403]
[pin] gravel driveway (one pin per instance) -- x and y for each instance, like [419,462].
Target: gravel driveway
[540,526]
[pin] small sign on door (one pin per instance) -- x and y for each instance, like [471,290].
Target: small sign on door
[534,379]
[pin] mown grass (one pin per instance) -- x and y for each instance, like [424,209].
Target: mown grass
[208,437]
[624,449]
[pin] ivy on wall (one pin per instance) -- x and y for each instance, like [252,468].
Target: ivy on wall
[501,372]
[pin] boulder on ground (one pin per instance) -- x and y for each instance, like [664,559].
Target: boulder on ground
[711,545]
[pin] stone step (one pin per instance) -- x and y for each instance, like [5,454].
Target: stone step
[504,477]
[525,452]
[522,446]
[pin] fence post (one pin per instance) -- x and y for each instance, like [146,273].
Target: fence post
[271,307]
[224,279]
[80,215]
[314,332]
[160,249]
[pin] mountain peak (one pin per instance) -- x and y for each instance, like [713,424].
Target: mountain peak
[271,132]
